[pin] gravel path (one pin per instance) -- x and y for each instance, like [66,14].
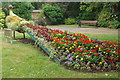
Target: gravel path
[88,30]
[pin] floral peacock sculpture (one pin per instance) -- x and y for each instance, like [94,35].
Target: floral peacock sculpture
[15,23]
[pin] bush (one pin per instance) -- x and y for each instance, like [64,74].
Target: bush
[114,24]
[87,15]
[104,18]
[22,9]
[70,21]
[54,13]
[2,18]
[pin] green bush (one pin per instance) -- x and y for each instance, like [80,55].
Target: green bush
[22,9]
[114,24]
[104,18]
[2,19]
[87,15]
[70,21]
[54,13]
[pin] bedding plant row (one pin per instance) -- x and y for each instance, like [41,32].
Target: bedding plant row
[77,50]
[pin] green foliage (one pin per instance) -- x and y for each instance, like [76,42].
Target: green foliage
[42,14]
[70,21]
[13,26]
[22,9]
[104,18]
[86,15]
[2,18]
[54,13]
[114,24]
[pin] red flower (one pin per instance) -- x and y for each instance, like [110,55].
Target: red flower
[80,34]
[88,55]
[80,50]
[73,34]
[55,39]
[62,42]
[70,41]
[101,47]
[84,43]
[94,50]
[113,47]
[83,53]
[86,50]
[111,43]
[108,50]
[108,46]
[79,55]
[96,53]
[66,43]
[77,40]
[81,41]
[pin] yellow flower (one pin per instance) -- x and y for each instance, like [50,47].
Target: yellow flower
[52,41]
[81,59]
[79,46]
[77,56]
[87,47]
[90,52]
[103,44]
[58,47]
[63,47]
[54,44]
[100,63]
[72,46]
[66,48]
[91,47]
[99,49]
[89,39]
[112,55]
[96,45]
[56,37]
[117,56]
[72,52]
[89,61]
[106,53]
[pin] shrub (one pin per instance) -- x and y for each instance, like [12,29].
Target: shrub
[70,21]
[2,19]
[87,15]
[22,9]
[114,24]
[54,13]
[104,18]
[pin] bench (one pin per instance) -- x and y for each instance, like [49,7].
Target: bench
[87,22]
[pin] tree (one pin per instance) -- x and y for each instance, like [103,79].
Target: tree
[22,9]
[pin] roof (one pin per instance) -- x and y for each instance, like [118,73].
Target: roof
[36,11]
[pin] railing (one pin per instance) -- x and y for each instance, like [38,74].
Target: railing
[40,44]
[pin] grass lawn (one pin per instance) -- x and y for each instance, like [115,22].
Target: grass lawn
[24,61]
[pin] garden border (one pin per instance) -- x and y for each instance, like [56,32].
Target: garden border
[45,49]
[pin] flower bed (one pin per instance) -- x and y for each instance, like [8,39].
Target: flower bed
[78,51]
